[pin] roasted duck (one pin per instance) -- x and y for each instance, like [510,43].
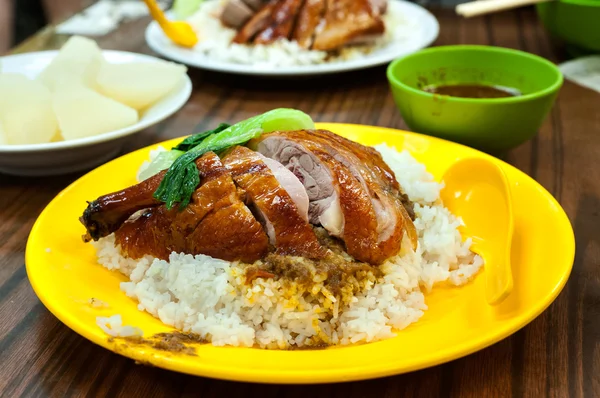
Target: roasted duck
[324,25]
[267,197]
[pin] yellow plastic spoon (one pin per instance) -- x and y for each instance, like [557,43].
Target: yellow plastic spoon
[179,32]
[477,190]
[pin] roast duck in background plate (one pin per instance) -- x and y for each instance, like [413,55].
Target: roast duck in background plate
[314,24]
[299,37]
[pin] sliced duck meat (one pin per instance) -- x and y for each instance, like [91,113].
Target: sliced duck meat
[373,221]
[236,13]
[389,202]
[215,223]
[284,222]
[324,206]
[256,24]
[346,20]
[290,183]
[255,4]
[309,18]
[282,22]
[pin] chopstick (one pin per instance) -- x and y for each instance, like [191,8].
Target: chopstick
[475,8]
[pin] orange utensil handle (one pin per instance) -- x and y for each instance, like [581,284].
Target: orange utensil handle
[156,12]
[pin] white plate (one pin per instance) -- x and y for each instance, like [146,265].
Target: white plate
[84,153]
[429,30]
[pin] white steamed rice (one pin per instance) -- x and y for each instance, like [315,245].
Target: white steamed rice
[215,41]
[209,297]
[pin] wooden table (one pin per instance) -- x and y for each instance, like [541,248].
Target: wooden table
[557,355]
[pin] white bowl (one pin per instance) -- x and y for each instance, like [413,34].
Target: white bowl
[62,157]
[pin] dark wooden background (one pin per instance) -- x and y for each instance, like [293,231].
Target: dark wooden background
[557,355]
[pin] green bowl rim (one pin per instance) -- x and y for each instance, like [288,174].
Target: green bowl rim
[591,3]
[522,98]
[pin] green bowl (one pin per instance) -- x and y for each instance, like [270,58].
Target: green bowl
[492,125]
[576,22]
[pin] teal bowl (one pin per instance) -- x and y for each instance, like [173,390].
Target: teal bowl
[492,125]
[576,22]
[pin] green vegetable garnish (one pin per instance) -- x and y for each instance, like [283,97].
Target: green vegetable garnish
[164,160]
[182,178]
[185,8]
[194,140]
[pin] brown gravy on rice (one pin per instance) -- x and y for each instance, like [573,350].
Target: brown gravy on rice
[338,272]
[336,276]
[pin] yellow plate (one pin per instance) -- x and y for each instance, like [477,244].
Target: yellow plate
[64,274]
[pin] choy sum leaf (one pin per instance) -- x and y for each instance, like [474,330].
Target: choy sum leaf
[164,160]
[182,178]
[185,8]
[194,140]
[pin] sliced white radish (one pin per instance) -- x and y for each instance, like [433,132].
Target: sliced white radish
[78,61]
[139,84]
[82,112]
[25,111]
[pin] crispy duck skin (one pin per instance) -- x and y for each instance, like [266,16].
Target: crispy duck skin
[256,24]
[344,21]
[216,223]
[282,22]
[374,218]
[290,233]
[309,18]
[106,214]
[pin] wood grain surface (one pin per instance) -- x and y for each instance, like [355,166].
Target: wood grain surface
[557,355]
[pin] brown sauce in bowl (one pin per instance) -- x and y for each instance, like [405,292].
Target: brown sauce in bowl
[473,91]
